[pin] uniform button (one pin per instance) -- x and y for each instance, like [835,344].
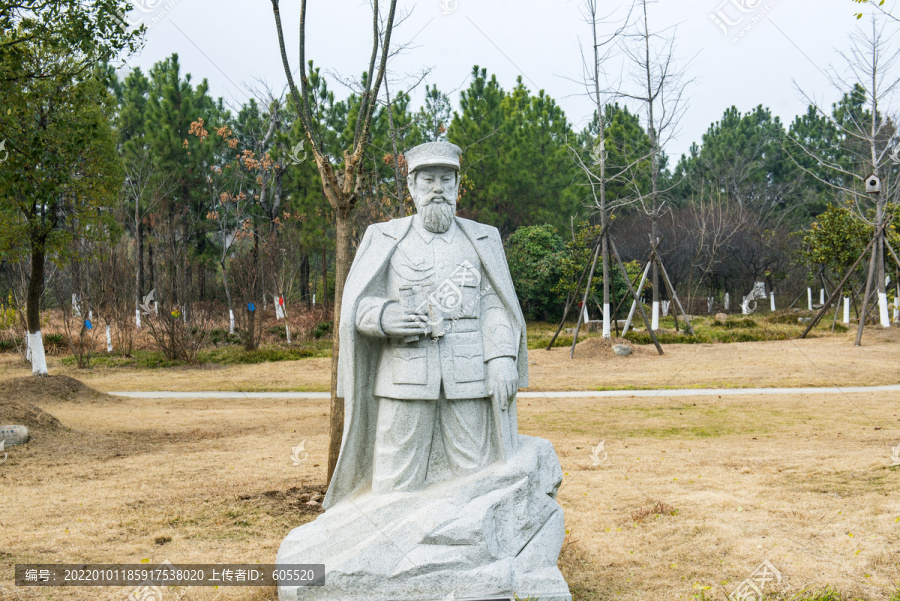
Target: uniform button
[441,265]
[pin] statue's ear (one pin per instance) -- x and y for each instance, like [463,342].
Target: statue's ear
[411,180]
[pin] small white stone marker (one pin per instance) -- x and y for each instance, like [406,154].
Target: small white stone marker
[12,435]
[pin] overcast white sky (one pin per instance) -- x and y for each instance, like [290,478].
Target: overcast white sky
[233,43]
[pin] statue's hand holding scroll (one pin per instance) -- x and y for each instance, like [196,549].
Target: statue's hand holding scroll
[397,322]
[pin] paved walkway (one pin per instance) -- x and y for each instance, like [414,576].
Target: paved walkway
[580,394]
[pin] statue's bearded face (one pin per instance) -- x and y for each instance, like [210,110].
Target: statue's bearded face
[435,190]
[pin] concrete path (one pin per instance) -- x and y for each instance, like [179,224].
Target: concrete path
[577,394]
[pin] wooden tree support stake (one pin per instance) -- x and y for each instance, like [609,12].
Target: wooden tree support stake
[637,300]
[837,289]
[587,290]
[864,315]
[562,323]
[671,288]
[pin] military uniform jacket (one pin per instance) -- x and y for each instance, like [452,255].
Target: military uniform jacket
[440,277]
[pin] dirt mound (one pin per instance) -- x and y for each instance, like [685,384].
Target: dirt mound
[26,414]
[598,348]
[50,389]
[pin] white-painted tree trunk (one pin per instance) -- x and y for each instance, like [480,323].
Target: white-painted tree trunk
[108,340]
[897,304]
[654,321]
[883,310]
[821,296]
[665,307]
[606,330]
[137,318]
[772,301]
[38,358]
[230,321]
[585,318]
[809,298]
[314,300]
[846,309]
[727,301]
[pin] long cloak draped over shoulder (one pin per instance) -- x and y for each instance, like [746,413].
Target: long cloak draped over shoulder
[359,354]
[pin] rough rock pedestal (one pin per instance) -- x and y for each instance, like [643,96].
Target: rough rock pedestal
[494,534]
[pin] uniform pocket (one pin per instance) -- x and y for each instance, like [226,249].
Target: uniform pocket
[410,365]
[468,363]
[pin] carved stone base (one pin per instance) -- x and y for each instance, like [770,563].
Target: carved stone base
[494,534]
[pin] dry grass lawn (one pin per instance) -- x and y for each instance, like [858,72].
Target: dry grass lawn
[830,361]
[694,492]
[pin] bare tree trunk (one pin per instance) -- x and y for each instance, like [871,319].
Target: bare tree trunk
[325,279]
[397,174]
[315,281]
[33,308]
[341,269]
[341,190]
[601,156]
[654,177]
[138,258]
[151,267]
[228,296]
[259,282]
[304,279]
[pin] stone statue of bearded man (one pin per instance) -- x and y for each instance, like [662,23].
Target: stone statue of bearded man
[435,492]
[430,299]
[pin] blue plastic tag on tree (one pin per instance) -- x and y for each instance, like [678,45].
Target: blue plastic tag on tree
[251,307]
[88,324]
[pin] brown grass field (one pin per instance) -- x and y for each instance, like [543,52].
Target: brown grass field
[694,493]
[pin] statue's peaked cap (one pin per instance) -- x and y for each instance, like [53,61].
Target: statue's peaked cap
[442,154]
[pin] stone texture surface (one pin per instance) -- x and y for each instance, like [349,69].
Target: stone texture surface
[11,435]
[492,534]
[622,350]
